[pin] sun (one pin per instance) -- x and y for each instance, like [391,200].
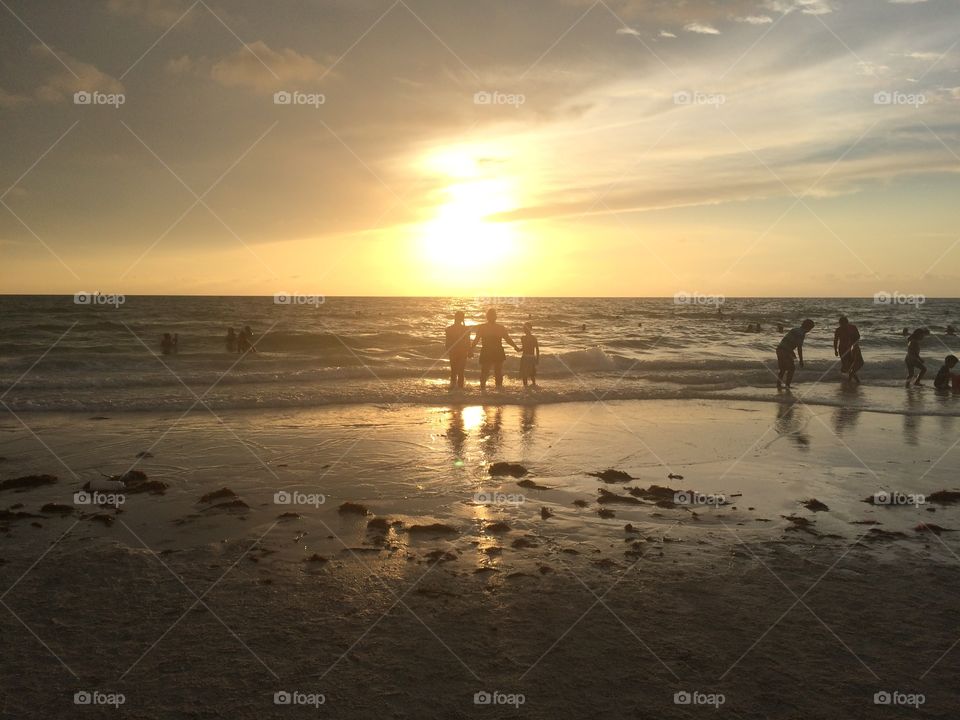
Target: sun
[462,231]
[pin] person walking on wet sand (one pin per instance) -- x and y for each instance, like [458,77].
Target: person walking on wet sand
[491,335]
[793,340]
[846,346]
[458,350]
[913,359]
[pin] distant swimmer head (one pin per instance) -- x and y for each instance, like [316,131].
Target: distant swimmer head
[808,325]
[492,315]
[950,361]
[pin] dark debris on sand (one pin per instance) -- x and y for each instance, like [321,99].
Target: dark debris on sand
[876,534]
[815,505]
[612,476]
[433,529]
[505,468]
[531,485]
[135,482]
[350,508]
[944,497]
[221,494]
[606,513]
[26,482]
[438,556]
[524,542]
[56,509]
[606,497]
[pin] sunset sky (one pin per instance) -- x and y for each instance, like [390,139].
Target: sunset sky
[617,147]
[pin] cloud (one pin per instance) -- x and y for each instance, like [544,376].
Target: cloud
[256,67]
[60,80]
[162,13]
[807,7]
[701,29]
[627,31]
[666,34]
[906,2]
[755,19]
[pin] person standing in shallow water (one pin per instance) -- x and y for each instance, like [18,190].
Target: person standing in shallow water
[913,359]
[491,335]
[793,340]
[846,346]
[458,350]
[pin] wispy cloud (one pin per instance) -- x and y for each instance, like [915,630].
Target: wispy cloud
[701,29]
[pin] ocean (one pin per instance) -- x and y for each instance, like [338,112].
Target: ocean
[57,355]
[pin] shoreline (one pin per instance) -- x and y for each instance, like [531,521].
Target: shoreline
[434,594]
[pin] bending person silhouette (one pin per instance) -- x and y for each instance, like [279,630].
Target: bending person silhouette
[491,335]
[792,341]
[458,349]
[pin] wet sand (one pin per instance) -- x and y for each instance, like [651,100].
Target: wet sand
[440,581]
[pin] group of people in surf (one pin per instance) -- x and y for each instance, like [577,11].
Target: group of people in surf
[239,342]
[846,346]
[462,339]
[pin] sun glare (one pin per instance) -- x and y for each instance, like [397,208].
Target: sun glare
[461,233]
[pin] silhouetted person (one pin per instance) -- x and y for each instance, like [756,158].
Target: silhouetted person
[530,357]
[168,346]
[245,341]
[951,330]
[846,346]
[945,375]
[793,340]
[913,359]
[231,340]
[458,349]
[491,335]
[905,332]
